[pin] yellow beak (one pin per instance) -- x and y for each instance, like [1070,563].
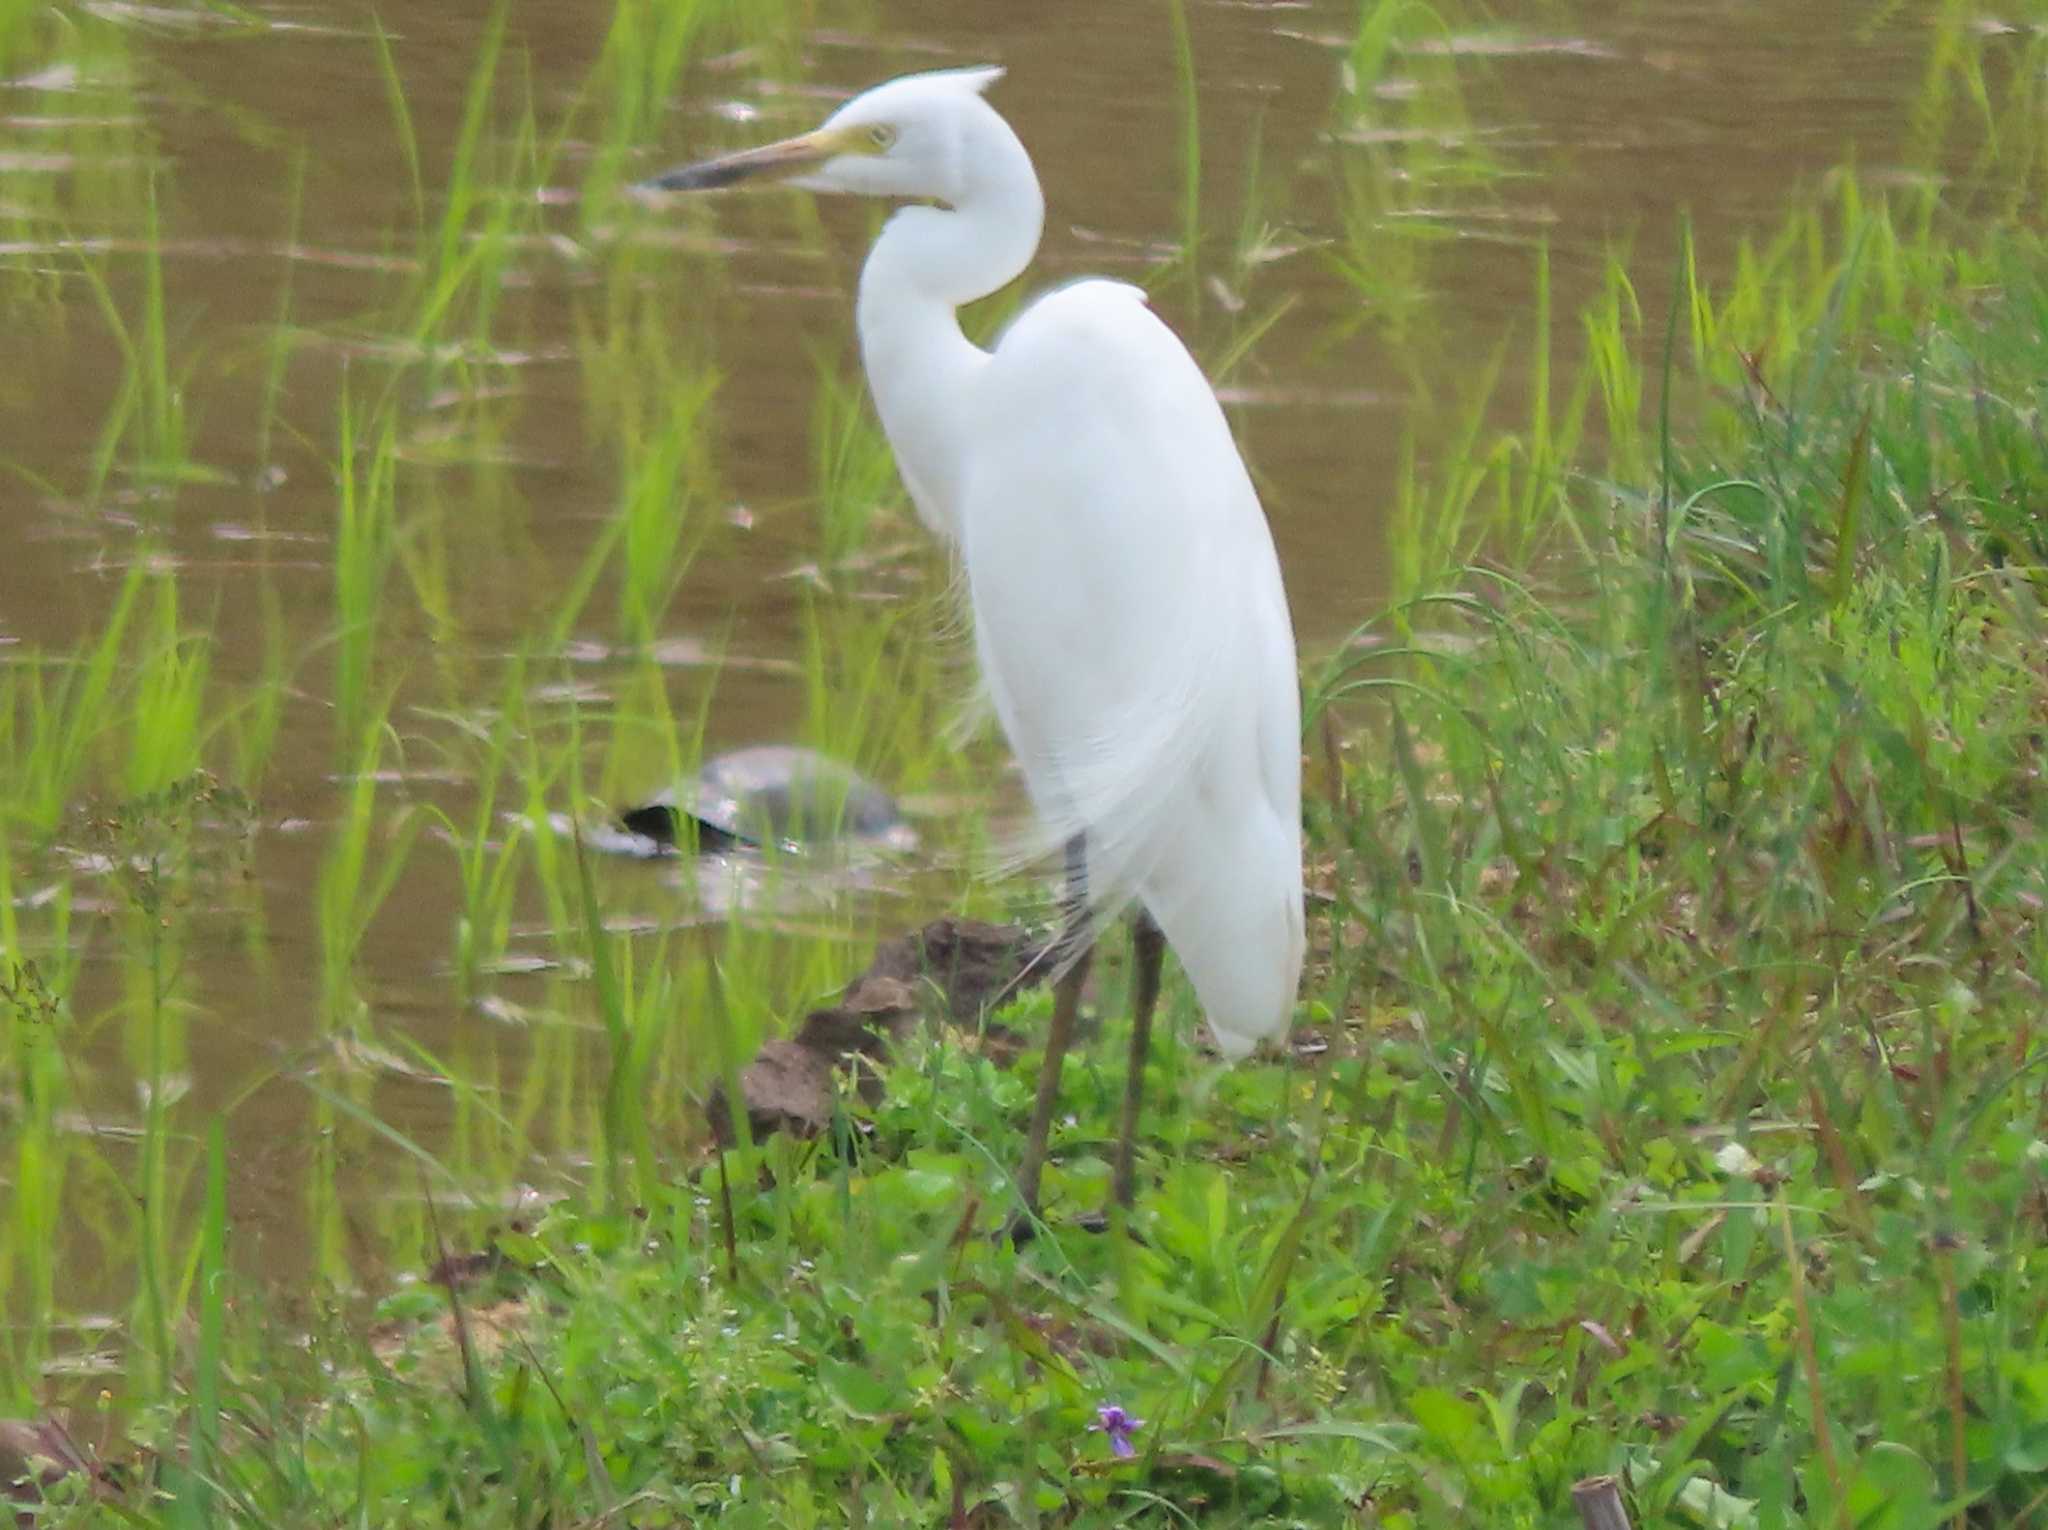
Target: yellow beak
[770,162]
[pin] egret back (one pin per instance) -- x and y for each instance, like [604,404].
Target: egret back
[1135,639]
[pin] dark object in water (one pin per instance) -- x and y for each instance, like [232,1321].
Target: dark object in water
[771,793]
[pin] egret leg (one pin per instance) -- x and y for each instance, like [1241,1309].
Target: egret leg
[1076,947]
[1148,955]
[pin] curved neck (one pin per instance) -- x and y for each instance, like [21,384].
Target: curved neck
[927,262]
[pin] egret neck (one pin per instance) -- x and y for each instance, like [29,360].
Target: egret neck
[926,264]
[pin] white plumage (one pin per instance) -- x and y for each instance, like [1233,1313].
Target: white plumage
[1134,635]
[1128,611]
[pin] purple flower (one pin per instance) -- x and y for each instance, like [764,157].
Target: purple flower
[1119,1426]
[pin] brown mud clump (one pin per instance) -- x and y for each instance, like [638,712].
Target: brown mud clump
[950,973]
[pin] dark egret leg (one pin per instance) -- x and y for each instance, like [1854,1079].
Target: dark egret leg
[1077,945]
[1148,954]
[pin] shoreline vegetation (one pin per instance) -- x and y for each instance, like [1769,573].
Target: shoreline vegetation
[1665,1101]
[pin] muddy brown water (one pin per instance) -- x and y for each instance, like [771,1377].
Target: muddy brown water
[1599,122]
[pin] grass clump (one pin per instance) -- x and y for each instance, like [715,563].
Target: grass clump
[1666,1104]
[1704,885]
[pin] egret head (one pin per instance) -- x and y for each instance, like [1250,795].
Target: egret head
[905,138]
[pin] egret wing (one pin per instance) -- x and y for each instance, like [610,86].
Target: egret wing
[1134,635]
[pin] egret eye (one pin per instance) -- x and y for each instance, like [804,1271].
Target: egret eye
[881,135]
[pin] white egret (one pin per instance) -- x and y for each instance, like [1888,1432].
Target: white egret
[1128,613]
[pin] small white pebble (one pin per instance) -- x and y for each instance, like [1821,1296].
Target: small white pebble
[1736,1159]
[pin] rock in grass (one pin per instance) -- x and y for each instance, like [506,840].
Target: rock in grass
[953,971]
[787,1088]
[769,794]
[968,964]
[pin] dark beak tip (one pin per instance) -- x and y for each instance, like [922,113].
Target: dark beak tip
[705,177]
